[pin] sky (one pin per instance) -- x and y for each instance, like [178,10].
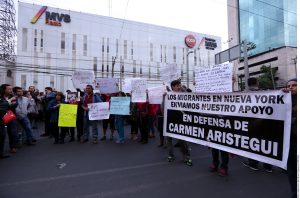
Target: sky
[202,16]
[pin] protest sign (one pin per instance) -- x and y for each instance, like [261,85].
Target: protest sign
[139,87]
[126,85]
[67,115]
[98,111]
[255,125]
[120,105]
[155,94]
[169,73]
[81,79]
[217,78]
[107,85]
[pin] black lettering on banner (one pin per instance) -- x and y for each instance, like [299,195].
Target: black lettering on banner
[258,136]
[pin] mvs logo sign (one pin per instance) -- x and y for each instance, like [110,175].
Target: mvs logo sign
[52,18]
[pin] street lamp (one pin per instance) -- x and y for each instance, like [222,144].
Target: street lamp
[187,67]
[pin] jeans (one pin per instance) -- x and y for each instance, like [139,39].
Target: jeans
[183,148]
[86,128]
[143,126]
[292,171]
[12,133]
[224,158]
[2,139]
[26,125]
[151,120]
[120,127]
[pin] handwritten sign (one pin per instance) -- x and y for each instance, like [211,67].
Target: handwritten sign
[98,111]
[107,85]
[67,115]
[218,78]
[120,105]
[139,87]
[169,73]
[81,79]
[155,94]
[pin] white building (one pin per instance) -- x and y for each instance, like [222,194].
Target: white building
[60,41]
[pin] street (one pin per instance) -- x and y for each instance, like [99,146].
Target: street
[132,170]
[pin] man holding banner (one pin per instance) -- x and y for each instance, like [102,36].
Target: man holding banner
[88,98]
[176,87]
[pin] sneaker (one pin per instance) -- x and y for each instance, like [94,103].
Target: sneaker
[222,172]
[189,162]
[135,138]
[269,170]
[171,158]
[95,141]
[103,138]
[120,141]
[13,150]
[213,168]
[83,140]
[248,165]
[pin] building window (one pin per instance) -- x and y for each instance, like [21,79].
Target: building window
[9,73]
[125,49]
[183,56]
[84,45]
[165,54]
[161,53]
[107,47]
[52,81]
[95,65]
[134,68]
[42,41]
[117,47]
[24,39]
[174,54]
[35,39]
[48,62]
[23,81]
[63,42]
[74,42]
[151,52]
[131,50]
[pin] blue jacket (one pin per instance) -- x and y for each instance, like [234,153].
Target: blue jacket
[54,111]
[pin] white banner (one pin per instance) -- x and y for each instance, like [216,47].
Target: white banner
[155,94]
[81,79]
[215,79]
[139,87]
[107,85]
[169,73]
[98,111]
[255,125]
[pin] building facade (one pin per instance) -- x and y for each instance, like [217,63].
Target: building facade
[52,43]
[272,27]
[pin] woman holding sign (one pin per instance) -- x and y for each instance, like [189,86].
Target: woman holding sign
[53,107]
[120,123]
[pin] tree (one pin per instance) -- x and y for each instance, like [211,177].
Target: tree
[267,78]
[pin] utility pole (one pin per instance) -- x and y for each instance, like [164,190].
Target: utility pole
[246,69]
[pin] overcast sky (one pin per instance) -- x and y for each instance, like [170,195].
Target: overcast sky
[203,16]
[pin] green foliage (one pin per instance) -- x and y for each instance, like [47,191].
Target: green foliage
[265,80]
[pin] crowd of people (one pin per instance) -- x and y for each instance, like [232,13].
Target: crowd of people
[32,106]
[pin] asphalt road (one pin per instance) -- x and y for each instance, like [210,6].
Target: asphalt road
[128,170]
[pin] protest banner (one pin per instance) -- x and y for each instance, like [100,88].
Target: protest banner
[107,85]
[67,115]
[155,94]
[139,87]
[98,111]
[120,105]
[215,79]
[255,125]
[81,79]
[169,73]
